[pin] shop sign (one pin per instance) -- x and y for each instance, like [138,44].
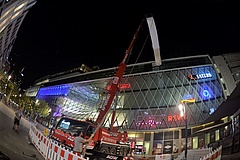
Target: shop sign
[175,117]
[121,86]
[199,76]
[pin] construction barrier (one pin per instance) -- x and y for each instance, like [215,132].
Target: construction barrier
[202,154]
[163,157]
[215,155]
[49,149]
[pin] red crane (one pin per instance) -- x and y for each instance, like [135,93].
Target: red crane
[108,142]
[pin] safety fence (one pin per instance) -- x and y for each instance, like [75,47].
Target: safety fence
[49,149]
[215,155]
[203,153]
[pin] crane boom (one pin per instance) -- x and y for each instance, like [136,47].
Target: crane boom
[106,141]
[115,83]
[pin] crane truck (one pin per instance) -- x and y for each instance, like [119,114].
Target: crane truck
[106,141]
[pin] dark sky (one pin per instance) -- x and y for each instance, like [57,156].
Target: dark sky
[56,36]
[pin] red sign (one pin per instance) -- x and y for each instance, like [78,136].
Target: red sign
[174,118]
[121,86]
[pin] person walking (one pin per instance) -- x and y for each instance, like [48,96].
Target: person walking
[18,115]
[78,143]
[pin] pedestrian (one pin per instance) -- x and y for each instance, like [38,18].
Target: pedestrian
[18,115]
[78,143]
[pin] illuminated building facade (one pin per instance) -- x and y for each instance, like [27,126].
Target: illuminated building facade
[147,101]
[12,14]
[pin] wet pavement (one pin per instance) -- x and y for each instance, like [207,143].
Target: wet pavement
[15,145]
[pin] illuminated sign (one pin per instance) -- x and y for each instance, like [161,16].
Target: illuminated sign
[211,111]
[121,86]
[199,76]
[152,122]
[206,93]
[174,117]
[192,77]
[188,98]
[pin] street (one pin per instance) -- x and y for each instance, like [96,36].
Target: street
[15,146]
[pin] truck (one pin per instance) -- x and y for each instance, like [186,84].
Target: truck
[106,141]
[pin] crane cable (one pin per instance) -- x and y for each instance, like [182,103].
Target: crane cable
[140,52]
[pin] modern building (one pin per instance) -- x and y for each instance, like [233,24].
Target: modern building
[228,69]
[148,98]
[12,14]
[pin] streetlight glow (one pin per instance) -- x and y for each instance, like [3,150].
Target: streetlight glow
[181,113]
[180,107]
[9,77]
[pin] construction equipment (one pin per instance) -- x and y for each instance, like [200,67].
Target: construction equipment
[107,141]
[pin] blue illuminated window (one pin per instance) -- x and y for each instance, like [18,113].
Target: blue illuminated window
[61,90]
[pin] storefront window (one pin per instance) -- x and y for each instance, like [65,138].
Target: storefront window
[212,137]
[146,147]
[158,136]
[175,146]
[168,145]
[195,142]
[147,137]
[176,134]
[168,135]
[207,138]
[217,136]
[201,141]
[137,141]
[157,147]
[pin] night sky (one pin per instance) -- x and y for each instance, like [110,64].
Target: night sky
[57,36]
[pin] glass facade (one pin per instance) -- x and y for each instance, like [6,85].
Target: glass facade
[147,101]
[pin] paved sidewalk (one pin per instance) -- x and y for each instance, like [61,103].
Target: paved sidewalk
[235,156]
[14,145]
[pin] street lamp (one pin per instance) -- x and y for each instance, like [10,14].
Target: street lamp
[183,113]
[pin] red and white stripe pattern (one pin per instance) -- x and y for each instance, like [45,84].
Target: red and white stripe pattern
[50,150]
[215,155]
[38,140]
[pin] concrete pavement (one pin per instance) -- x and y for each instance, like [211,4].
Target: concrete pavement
[235,156]
[12,144]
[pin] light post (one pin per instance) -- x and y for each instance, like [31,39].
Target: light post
[183,113]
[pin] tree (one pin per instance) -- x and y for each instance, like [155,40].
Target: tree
[42,108]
